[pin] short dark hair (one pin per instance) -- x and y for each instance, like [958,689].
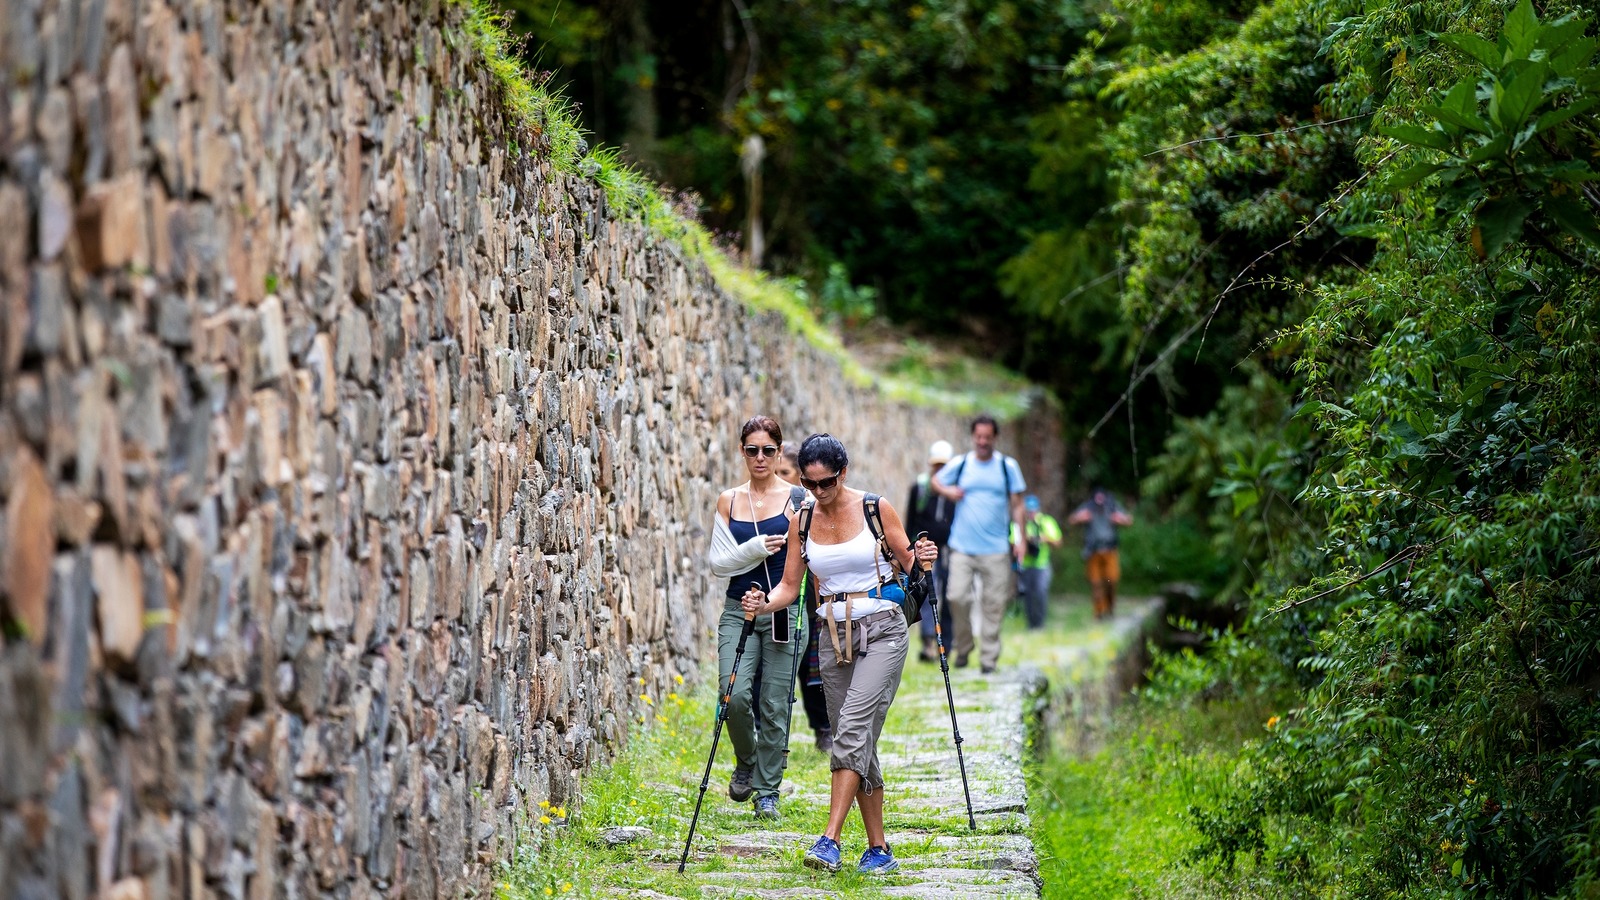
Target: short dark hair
[985,419]
[761,423]
[826,449]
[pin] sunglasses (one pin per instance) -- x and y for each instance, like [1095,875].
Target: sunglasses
[820,484]
[752,451]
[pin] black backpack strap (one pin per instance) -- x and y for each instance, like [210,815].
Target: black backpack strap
[1005,473]
[804,517]
[955,477]
[869,507]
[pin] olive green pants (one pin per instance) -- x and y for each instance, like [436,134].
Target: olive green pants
[762,749]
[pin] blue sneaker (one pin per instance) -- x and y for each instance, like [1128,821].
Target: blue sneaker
[878,861]
[767,807]
[824,854]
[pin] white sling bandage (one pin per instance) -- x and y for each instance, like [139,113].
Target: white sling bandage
[729,558]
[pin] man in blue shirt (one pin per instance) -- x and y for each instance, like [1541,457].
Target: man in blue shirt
[987,488]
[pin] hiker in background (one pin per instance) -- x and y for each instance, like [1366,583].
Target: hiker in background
[847,535]
[986,487]
[749,545]
[1101,515]
[928,510]
[1038,533]
[811,695]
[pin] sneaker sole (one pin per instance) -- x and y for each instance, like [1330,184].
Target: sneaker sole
[812,862]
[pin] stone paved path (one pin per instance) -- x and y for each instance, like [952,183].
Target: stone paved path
[734,856]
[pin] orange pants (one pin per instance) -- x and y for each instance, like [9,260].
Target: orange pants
[1104,571]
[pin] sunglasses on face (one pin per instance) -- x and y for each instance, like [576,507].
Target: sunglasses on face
[752,451]
[820,484]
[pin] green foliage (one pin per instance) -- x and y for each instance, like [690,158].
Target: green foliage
[1512,132]
[1117,822]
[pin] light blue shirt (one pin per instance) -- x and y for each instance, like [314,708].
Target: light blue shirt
[983,517]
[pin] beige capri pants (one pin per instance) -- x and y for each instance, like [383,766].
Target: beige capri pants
[860,691]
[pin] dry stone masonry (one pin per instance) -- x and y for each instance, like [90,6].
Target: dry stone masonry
[354,465]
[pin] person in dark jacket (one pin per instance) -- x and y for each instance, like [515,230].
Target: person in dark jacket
[928,510]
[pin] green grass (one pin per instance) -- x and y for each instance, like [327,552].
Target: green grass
[961,386]
[1116,823]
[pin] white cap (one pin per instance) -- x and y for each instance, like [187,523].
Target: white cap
[940,452]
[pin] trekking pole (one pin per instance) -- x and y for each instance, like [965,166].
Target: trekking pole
[949,695]
[716,735]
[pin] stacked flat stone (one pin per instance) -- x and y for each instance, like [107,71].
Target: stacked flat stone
[354,465]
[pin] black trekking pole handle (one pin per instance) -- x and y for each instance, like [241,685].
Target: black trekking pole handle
[949,694]
[716,735]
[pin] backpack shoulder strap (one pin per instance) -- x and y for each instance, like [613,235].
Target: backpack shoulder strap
[1005,474]
[955,478]
[797,496]
[869,506]
[804,518]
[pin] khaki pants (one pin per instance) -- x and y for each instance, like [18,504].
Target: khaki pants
[1104,570]
[860,691]
[993,571]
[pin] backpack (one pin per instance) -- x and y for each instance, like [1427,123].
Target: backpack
[1005,472]
[909,607]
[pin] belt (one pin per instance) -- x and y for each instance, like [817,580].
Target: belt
[855,644]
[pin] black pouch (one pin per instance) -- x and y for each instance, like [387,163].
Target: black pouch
[918,584]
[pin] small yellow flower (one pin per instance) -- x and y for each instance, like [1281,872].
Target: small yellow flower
[549,892]
[1272,722]
[673,696]
[641,681]
[544,804]
[566,885]
[544,820]
[647,700]
[560,811]
[661,719]
[678,678]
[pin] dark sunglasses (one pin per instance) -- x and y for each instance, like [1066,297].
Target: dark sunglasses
[820,484]
[769,451]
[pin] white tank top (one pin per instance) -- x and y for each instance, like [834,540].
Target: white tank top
[847,568]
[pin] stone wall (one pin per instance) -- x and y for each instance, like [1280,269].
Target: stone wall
[354,466]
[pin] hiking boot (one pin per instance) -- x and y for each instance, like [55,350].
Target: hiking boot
[930,650]
[988,670]
[767,807]
[961,661]
[878,861]
[824,739]
[824,854]
[739,787]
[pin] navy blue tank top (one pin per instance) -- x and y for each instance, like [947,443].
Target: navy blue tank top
[744,531]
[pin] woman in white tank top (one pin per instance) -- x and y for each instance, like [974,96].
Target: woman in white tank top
[863,648]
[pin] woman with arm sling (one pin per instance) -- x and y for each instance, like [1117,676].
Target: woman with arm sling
[749,546]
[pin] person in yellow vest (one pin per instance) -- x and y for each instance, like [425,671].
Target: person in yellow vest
[1038,533]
